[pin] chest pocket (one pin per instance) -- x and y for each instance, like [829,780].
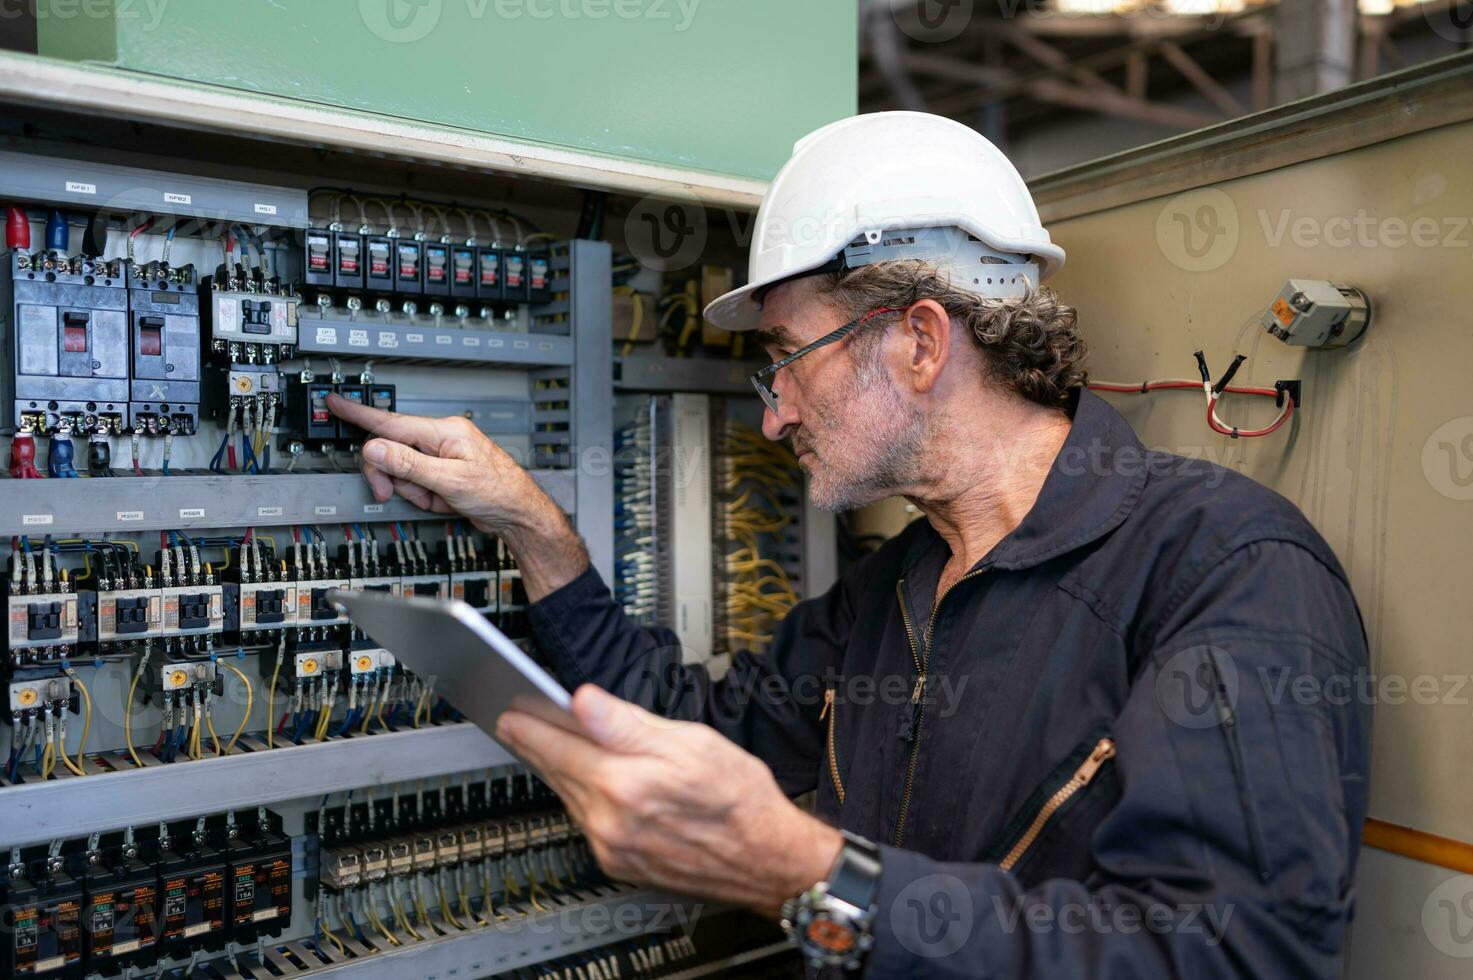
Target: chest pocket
[1049,836]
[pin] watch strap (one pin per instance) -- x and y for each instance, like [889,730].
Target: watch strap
[855,876]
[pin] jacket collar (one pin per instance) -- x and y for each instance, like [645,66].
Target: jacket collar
[1094,483]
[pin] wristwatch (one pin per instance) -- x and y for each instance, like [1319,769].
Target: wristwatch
[832,921]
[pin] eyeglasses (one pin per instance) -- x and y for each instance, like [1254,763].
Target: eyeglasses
[762,379]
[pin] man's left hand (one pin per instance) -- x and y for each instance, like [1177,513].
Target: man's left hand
[675,805]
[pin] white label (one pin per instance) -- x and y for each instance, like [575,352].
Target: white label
[31,520]
[357,338]
[327,335]
[495,342]
[388,339]
[265,209]
[324,511]
[414,338]
[197,928]
[544,345]
[78,187]
[43,965]
[172,198]
[471,341]
[191,513]
[265,914]
[268,511]
[520,344]
[120,948]
[373,508]
[130,515]
[445,339]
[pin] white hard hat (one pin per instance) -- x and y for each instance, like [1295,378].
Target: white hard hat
[885,185]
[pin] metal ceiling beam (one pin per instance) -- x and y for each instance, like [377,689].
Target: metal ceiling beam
[1172,53]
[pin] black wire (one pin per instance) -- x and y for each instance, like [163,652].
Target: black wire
[403,198]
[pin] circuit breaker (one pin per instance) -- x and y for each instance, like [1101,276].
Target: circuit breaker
[65,330]
[163,307]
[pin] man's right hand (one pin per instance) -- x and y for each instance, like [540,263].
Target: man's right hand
[448,466]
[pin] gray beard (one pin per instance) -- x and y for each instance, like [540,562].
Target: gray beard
[890,455]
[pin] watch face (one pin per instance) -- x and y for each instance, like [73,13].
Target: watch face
[830,936]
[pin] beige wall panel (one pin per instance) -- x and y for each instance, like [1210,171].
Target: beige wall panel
[1381,458]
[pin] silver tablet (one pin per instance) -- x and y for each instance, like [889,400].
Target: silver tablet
[470,662]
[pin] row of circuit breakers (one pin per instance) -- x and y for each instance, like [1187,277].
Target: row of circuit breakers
[392,267]
[113,346]
[120,900]
[181,603]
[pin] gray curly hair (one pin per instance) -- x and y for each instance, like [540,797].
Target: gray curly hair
[1032,344]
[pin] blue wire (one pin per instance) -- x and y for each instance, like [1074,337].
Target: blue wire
[219,453]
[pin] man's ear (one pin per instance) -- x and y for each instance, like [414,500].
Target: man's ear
[927,330]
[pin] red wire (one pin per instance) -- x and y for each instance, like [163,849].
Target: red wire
[394,530]
[1251,433]
[231,448]
[1147,387]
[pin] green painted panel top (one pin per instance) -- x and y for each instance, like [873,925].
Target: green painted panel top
[717,85]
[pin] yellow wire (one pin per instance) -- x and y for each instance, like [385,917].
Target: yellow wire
[403,919]
[86,719]
[419,906]
[445,912]
[271,700]
[128,717]
[377,922]
[250,701]
[327,931]
[48,761]
[367,718]
[210,724]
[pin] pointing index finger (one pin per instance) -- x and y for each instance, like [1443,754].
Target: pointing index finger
[413,430]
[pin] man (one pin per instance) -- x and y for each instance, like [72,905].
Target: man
[1047,725]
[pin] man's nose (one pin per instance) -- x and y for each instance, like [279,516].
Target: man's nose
[777,425]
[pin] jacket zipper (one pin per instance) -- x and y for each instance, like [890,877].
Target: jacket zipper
[912,732]
[829,712]
[1103,752]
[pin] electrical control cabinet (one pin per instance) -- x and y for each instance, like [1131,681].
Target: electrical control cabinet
[168,619]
